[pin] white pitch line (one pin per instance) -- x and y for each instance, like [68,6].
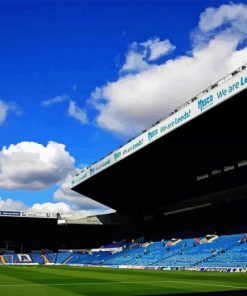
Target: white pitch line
[117,283]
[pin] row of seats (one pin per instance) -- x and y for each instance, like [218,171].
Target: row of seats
[223,251]
[185,253]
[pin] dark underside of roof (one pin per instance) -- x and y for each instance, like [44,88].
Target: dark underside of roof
[166,172]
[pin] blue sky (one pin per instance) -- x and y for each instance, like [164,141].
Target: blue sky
[72,73]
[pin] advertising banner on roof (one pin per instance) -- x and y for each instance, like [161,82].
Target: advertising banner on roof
[224,89]
[10,213]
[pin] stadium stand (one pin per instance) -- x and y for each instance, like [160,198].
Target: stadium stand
[223,251]
[232,256]
[7,259]
[211,251]
[37,258]
[61,258]
[95,258]
[51,257]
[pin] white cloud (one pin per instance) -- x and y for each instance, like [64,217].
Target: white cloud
[3,111]
[32,166]
[77,113]
[66,202]
[61,208]
[234,14]
[17,205]
[140,54]
[49,207]
[77,201]
[55,100]
[135,61]
[228,22]
[12,205]
[135,101]
[5,108]
[158,48]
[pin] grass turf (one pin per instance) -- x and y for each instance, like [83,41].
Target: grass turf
[66,280]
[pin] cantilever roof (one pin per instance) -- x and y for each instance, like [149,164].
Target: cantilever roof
[191,140]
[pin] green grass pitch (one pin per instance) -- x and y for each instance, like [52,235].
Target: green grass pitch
[66,280]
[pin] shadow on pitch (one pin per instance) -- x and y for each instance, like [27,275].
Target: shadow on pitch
[222,293]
